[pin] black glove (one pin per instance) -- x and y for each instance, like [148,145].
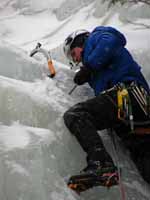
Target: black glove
[82,76]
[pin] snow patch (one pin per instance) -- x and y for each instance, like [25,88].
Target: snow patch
[19,136]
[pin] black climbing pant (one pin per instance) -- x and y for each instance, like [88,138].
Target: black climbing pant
[86,118]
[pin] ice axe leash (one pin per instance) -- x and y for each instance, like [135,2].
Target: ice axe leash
[47,54]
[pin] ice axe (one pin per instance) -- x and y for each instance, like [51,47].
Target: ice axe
[48,57]
[75,86]
[71,91]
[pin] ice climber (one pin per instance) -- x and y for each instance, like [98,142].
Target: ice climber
[120,102]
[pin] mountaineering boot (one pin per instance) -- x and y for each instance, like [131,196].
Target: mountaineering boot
[94,176]
[97,173]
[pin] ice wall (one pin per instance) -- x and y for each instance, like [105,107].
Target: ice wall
[37,151]
[35,146]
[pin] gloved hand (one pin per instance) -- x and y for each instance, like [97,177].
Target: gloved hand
[82,76]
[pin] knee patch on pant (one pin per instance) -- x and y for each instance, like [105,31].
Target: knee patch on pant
[71,115]
[71,120]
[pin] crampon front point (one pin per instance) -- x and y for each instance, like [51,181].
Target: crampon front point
[83,182]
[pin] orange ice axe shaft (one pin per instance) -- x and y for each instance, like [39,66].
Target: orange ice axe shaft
[48,57]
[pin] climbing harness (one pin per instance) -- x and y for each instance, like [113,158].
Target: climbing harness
[124,105]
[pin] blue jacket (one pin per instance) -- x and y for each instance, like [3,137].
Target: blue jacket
[105,54]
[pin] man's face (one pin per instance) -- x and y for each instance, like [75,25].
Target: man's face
[76,54]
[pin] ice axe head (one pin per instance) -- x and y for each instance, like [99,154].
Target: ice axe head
[38,45]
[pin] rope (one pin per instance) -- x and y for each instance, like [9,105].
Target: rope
[121,186]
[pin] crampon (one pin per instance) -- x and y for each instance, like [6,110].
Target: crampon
[83,182]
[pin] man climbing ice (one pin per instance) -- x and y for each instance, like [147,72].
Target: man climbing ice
[120,102]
